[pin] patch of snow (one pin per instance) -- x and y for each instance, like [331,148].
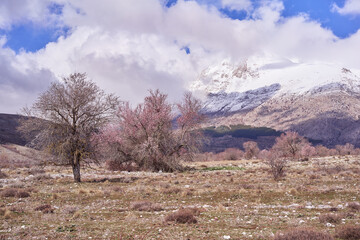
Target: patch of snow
[235,101]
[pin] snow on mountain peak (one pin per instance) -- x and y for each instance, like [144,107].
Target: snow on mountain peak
[293,77]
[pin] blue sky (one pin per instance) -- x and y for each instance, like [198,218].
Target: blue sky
[31,36]
[320,10]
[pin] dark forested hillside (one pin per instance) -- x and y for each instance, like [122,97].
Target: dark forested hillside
[8,133]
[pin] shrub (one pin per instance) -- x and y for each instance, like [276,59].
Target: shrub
[251,149]
[334,170]
[5,161]
[348,232]
[233,154]
[9,192]
[333,209]
[46,208]
[3,175]
[22,194]
[68,209]
[303,234]
[117,189]
[172,190]
[8,214]
[185,215]
[330,218]
[354,206]
[2,211]
[145,206]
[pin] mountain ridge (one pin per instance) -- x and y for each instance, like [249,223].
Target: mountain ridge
[319,101]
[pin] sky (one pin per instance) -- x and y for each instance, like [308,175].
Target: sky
[128,47]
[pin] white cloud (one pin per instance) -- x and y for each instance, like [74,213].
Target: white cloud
[351,7]
[128,46]
[20,82]
[237,4]
[20,11]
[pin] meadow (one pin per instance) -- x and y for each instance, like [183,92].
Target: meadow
[213,200]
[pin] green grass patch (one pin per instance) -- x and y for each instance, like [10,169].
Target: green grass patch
[217,168]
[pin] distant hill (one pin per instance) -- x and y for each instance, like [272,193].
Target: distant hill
[8,132]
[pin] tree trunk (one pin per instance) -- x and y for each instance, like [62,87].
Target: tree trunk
[76,167]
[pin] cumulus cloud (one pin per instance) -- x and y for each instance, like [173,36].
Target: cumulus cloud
[237,4]
[20,11]
[20,83]
[351,7]
[129,47]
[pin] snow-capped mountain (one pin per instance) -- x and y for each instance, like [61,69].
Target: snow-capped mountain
[298,78]
[319,100]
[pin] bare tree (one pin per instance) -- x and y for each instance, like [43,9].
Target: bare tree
[251,149]
[67,115]
[276,162]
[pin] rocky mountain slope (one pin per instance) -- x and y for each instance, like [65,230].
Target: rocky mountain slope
[319,100]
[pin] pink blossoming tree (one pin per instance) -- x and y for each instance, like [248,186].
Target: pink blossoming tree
[148,135]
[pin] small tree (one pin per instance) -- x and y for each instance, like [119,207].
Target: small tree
[251,149]
[346,149]
[290,144]
[146,135]
[322,151]
[232,154]
[67,115]
[276,162]
[307,151]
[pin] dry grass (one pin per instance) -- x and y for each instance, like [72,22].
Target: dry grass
[348,232]
[238,199]
[303,234]
[145,206]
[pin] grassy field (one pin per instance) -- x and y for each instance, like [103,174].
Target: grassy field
[229,199]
